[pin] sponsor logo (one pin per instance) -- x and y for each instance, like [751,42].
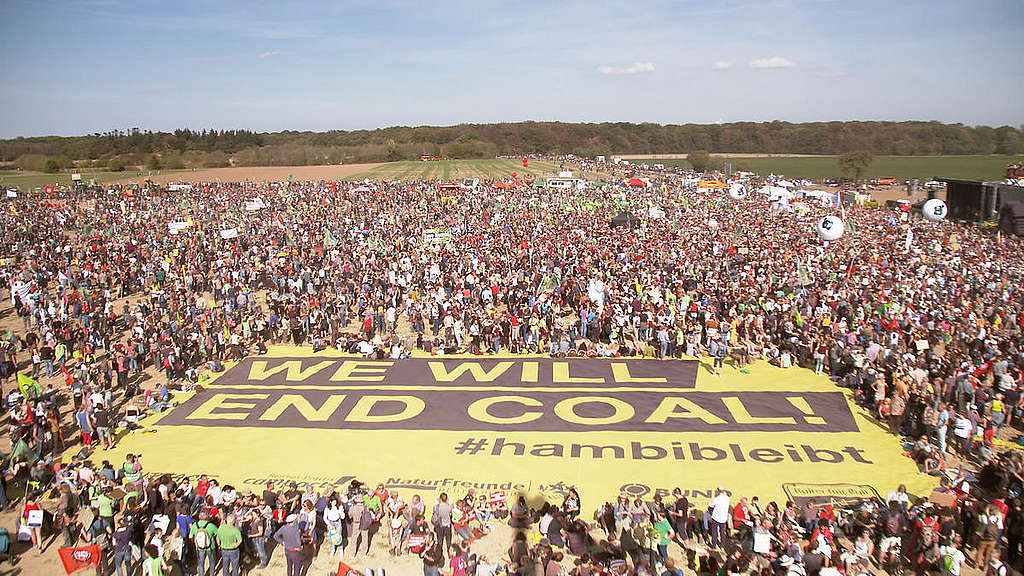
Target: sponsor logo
[838,495]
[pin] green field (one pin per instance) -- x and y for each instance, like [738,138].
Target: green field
[447,170]
[29,180]
[900,167]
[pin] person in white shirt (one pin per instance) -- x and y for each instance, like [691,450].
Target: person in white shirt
[721,510]
[962,430]
[951,559]
[995,565]
[899,495]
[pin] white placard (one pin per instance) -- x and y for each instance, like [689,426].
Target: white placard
[35,518]
[762,543]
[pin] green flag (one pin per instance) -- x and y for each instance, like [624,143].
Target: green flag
[29,387]
[329,239]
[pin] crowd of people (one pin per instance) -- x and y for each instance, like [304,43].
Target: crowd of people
[922,319]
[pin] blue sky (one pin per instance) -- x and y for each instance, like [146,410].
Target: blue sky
[82,66]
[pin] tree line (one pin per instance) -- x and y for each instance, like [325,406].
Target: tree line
[213,148]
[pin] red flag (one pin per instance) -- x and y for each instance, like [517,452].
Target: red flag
[346,570]
[525,162]
[49,190]
[75,559]
[68,378]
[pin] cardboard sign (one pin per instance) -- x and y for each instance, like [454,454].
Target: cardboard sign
[942,499]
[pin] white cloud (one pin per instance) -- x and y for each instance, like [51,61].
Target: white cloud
[636,68]
[273,53]
[773,62]
[721,65]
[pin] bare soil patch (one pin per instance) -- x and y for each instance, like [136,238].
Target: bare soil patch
[258,173]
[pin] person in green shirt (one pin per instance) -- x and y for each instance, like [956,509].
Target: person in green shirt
[374,504]
[106,507]
[60,353]
[230,538]
[206,544]
[154,565]
[665,535]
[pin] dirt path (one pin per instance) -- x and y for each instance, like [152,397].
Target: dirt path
[259,174]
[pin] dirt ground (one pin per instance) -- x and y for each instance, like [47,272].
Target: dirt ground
[258,174]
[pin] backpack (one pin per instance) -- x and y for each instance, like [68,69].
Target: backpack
[202,537]
[948,561]
[366,519]
[990,530]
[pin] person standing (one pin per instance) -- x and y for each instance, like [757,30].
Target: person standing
[204,537]
[154,564]
[951,559]
[963,430]
[290,538]
[122,539]
[362,520]
[995,567]
[258,520]
[990,527]
[32,515]
[665,535]
[432,556]
[720,513]
[442,521]
[942,426]
[101,418]
[229,537]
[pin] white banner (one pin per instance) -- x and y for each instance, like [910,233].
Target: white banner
[176,227]
[229,233]
[437,236]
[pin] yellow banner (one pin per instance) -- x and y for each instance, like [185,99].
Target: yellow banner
[529,425]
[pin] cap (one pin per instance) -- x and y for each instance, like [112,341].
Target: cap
[291,518]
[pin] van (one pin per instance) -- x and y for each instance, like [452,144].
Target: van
[886,181]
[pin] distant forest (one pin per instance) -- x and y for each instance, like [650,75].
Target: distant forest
[118,149]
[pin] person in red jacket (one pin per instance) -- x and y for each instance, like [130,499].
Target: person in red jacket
[32,516]
[741,514]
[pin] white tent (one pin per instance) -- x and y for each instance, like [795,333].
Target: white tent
[772,190]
